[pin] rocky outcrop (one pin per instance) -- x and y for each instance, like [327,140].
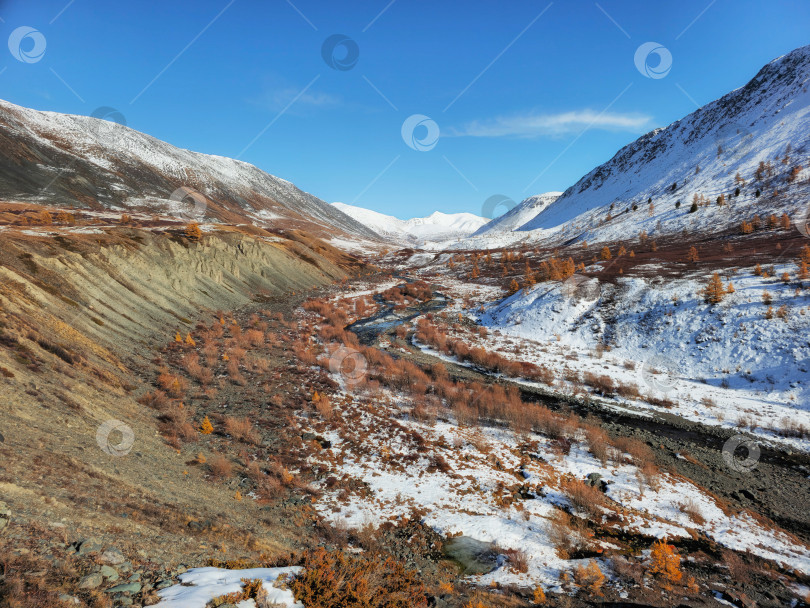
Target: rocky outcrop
[137,283]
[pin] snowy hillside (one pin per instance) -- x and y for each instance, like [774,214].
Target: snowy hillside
[727,364]
[516,217]
[80,161]
[435,228]
[765,121]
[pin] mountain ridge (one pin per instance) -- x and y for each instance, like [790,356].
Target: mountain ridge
[90,163]
[436,227]
[700,154]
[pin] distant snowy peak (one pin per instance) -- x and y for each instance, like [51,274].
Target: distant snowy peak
[701,155]
[438,224]
[384,225]
[513,219]
[436,227]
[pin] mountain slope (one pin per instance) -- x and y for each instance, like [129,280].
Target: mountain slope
[513,219]
[97,164]
[764,121]
[436,227]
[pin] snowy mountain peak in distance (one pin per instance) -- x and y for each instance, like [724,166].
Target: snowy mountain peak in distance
[435,228]
[519,215]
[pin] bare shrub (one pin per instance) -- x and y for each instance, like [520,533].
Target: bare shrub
[628,570]
[587,499]
[220,467]
[601,384]
[638,451]
[589,578]
[241,429]
[324,407]
[337,579]
[788,427]
[692,510]
[628,391]
[567,534]
[648,475]
[156,399]
[597,442]
[517,558]
[175,386]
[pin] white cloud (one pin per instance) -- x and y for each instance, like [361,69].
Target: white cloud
[280,98]
[277,92]
[539,125]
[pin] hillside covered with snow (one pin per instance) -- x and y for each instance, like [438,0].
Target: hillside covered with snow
[727,364]
[516,217]
[749,147]
[93,163]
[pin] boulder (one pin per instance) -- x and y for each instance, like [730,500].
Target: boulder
[132,588]
[112,557]
[91,581]
[90,545]
[111,574]
[595,480]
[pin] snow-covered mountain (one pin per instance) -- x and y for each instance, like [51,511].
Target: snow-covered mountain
[513,219]
[435,228]
[650,184]
[80,161]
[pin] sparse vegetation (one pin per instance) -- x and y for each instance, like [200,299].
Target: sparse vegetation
[339,580]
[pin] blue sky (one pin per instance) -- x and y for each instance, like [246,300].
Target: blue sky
[527,96]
